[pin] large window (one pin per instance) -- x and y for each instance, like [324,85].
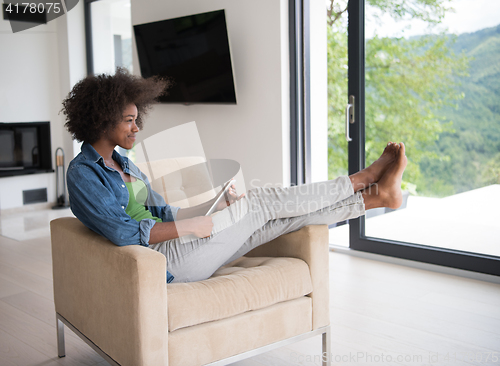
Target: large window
[425,73]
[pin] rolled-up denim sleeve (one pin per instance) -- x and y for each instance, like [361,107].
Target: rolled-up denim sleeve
[169,213]
[145,227]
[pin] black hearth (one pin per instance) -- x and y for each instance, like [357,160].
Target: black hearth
[25,148]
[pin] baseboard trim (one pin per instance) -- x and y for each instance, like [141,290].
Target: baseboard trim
[414,264]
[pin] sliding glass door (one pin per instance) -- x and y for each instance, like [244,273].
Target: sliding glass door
[109,35]
[427,73]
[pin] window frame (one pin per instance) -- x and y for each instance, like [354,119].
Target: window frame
[476,262]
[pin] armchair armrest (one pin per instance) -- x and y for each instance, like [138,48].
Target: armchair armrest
[116,296]
[311,245]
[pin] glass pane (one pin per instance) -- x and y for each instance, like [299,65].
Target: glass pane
[112,41]
[433,82]
[111,35]
[337,100]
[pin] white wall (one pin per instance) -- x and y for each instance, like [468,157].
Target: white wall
[39,66]
[29,92]
[255,132]
[319,92]
[73,64]
[32,71]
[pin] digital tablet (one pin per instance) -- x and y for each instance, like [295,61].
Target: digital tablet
[220,196]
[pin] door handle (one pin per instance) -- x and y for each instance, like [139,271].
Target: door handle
[349,116]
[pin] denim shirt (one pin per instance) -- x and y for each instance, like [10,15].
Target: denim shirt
[98,197]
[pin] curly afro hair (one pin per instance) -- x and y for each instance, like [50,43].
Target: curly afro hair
[96,103]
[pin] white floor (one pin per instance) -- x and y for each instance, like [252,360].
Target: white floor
[381,313]
[30,225]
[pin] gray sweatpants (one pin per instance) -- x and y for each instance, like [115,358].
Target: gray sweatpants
[262,215]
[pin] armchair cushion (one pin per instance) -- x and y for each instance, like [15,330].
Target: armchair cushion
[242,285]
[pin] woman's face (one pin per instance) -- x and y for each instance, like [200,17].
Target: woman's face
[124,132]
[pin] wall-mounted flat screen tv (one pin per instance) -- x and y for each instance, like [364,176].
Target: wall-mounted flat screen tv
[193,51]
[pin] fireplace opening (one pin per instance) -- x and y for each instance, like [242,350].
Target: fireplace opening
[25,148]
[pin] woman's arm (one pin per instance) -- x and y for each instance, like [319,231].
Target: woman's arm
[201,210]
[200,226]
[191,220]
[98,207]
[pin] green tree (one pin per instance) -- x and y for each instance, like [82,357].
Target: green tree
[474,146]
[407,81]
[491,175]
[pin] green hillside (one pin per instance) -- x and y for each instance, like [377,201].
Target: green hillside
[471,154]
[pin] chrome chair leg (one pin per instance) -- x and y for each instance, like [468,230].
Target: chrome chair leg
[61,352]
[327,348]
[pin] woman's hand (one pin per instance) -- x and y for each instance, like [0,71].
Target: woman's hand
[231,197]
[201,226]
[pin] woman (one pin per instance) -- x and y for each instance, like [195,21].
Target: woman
[106,111]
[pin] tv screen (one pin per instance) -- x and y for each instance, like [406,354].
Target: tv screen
[193,51]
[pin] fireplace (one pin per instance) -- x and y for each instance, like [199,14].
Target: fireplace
[25,148]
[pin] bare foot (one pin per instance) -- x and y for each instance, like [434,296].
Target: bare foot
[389,186]
[374,172]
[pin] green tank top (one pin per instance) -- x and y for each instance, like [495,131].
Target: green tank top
[137,197]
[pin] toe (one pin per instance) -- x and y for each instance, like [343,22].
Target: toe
[402,148]
[394,149]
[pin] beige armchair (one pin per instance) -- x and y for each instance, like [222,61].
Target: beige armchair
[117,300]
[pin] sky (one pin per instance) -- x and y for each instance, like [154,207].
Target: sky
[469,16]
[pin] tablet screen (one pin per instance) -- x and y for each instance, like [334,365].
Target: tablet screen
[220,196]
